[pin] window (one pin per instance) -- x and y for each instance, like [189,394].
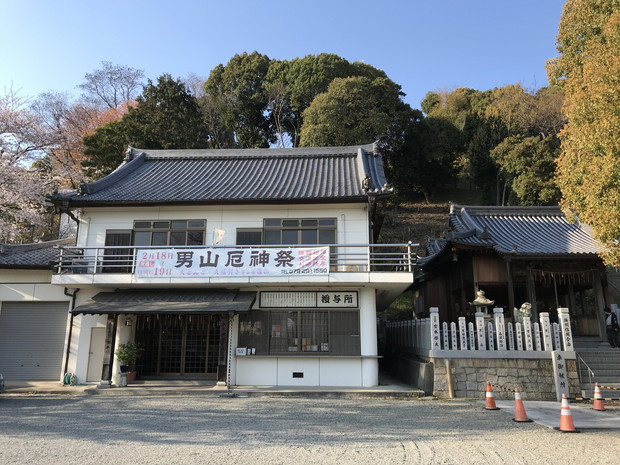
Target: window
[169,233]
[325,332]
[117,260]
[299,231]
[249,236]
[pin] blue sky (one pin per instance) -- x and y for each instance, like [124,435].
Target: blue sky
[422,45]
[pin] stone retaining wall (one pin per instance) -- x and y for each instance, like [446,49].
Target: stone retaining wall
[533,377]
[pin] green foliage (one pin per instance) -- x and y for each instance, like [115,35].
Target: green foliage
[588,70]
[420,154]
[105,149]
[238,88]
[166,116]
[354,110]
[401,309]
[528,163]
[484,135]
[293,85]
[484,121]
[129,353]
[430,101]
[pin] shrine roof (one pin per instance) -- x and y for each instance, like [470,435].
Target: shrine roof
[514,231]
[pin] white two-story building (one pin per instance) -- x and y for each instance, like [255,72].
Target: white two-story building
[250,267]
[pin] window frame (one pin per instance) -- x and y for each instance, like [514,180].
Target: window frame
[265,344]
[288,225]
[169,231]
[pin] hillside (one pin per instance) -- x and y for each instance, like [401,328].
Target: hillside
[415,221]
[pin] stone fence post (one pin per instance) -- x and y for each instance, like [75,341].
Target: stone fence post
[567,333]
[434,328]
[500,331]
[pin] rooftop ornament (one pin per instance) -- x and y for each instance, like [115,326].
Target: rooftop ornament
[481,302]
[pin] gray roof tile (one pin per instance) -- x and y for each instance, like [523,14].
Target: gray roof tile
[316,174]
[32,256]
[520,230]
[174,301]
[514,231]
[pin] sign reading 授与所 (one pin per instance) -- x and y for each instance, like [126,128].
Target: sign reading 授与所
[230,262]
[308,299]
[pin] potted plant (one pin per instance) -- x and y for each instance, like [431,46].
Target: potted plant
[128,354]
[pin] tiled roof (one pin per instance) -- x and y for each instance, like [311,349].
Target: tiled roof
[515,231]
[318,174]
[39,255]
[175,301]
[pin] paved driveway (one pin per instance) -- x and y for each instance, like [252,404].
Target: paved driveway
[212,430]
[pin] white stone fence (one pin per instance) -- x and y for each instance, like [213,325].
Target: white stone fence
[486,337]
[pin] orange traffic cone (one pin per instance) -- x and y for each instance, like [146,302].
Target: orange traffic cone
[490,398]
[599,403]
[566,419]
[520,414]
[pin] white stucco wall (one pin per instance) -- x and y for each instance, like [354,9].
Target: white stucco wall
[29,286]
[352,228]
[352,221]
[343,371]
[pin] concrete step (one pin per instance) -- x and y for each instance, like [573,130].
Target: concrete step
[600,366]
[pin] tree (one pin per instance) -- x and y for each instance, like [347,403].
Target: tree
[293,85]
[21,136]
[105,148]
[483,135]
[112,85]
[213,114]
[514,106]
[354,110]
[22,205]
[528,165]
[588,70]
[237,90]
[420,154]
[166,116]
[429,102]
[64,125]
[21,143]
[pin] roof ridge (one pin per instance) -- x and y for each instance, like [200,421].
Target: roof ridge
[16,248]
[122,171]
[247,156]
[508,210]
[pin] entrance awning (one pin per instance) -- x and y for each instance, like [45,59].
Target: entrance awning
[168,302]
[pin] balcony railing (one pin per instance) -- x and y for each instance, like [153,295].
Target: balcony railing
[351,258]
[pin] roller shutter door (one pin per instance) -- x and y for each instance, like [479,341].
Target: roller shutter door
[32,337]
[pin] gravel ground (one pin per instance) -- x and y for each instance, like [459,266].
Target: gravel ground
[211,430]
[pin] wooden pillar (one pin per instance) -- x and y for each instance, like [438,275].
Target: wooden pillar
[222,358]
[511,290]
[599,302]
[108,352]
[531,293]
[572,302]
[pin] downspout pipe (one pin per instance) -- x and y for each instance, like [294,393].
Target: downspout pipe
[73,296]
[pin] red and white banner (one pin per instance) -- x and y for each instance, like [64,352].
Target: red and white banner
[180,263]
